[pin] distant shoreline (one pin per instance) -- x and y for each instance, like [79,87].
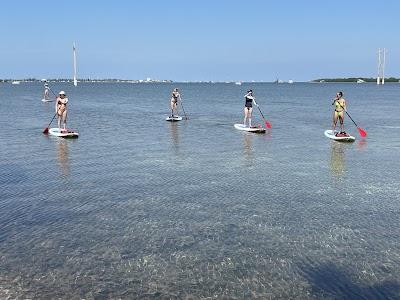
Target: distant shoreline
[148,80]
[8,80]
[353,80]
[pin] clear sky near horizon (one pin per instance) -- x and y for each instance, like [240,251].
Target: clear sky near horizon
[199,40]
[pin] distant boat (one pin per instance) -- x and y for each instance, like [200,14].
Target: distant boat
[238,83]
[74,53]
[360,81]
[15,82]
[290,81]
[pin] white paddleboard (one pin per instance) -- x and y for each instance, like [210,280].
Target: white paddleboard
[68,133]
[332,135]
[47,100]
[255,129]
[174,118]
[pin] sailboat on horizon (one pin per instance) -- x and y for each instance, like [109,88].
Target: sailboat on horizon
[74,53]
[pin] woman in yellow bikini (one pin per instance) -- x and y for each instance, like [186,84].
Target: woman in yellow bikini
[340,108]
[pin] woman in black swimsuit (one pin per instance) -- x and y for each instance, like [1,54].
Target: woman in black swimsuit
[174,101]
[248,107]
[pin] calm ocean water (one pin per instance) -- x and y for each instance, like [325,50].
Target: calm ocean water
[141,208]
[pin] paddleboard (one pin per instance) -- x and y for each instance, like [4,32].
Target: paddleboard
[68,133]
[332,135]
[255,129]
[47,100]
[173,118]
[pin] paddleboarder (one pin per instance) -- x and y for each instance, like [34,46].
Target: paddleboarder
[61,109]
[174,101]
[46,91]
[340,108]
[248,107]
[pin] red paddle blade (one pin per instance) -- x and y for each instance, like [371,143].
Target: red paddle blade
[362,132]
[46,130]
[268,124]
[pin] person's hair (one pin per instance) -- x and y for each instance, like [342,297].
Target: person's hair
[340,94]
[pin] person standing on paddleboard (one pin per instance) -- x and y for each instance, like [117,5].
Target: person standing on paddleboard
[248,107]
[174,101]
[46,91]
[340,107]
[61,109]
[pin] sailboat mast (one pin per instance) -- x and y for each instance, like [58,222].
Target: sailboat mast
[74,52]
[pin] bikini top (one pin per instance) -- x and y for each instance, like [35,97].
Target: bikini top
[62,101]
[340,104]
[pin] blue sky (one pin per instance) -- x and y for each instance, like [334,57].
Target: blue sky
[199,40]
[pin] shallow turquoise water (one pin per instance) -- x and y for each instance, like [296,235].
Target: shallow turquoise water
[141,208]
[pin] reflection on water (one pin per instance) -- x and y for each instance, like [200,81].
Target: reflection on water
[174,135]
[338,163]
[361,144]
[63,157]
[243,216]
[248,147]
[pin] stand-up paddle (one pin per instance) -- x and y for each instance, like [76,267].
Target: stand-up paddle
[268,124]
[46,130]
[186,118]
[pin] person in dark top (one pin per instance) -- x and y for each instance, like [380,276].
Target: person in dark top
[174,101]
[248,107]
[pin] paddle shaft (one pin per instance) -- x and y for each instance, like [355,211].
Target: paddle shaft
[47,128]
[52,91]
[262,115]
[183,108]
